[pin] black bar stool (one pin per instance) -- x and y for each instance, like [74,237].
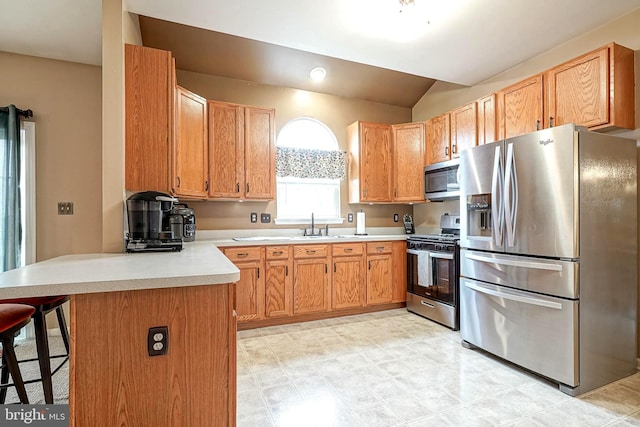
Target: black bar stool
[13,317]
[42,306]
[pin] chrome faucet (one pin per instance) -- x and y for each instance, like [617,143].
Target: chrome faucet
[312,231]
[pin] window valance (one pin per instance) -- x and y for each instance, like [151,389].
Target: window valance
[307,163]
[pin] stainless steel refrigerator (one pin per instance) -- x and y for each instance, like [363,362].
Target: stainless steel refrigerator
[549,254]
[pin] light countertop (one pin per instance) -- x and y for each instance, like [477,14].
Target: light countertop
[199,263]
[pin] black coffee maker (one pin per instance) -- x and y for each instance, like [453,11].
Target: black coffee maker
[148,214]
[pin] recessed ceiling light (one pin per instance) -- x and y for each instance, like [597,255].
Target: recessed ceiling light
[318,74]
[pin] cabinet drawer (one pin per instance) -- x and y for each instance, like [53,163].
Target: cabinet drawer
[346,249]
[243,254]
[310,251]
[277,252]
[378,247]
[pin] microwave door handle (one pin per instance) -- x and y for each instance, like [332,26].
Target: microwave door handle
[497,207]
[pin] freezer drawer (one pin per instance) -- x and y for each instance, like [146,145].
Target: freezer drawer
[546,276]
[537,332]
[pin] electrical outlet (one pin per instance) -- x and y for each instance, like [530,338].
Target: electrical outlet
[349,217]
[158,341]
[395,218]
[65,208]
[265,218]
[254,217]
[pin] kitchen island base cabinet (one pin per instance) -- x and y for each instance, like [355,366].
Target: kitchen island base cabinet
[114,381]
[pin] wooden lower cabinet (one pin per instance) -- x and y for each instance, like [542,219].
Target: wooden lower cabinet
[278,282]
[250,288]
[311,278]
[348,286]
[379,272]
[307,282]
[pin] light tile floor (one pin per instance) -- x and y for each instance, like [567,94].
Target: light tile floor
[394,368]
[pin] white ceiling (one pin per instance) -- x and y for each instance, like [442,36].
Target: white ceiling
[464,41]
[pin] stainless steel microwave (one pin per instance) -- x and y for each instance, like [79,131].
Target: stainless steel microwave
[441,180]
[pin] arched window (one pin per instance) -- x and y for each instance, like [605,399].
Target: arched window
[309,168]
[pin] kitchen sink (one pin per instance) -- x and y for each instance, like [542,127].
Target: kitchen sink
[261,238]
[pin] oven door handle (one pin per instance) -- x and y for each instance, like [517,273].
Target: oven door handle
[441,255]
[513,297]
[514,263]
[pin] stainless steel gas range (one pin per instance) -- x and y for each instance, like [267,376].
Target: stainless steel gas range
[433,265]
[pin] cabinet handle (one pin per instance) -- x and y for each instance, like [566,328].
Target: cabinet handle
[258,272]
[550,121]
[247,187]
[446,151]
[364,192]
[369,265]
[334,267]
[454,148]
[178,178]
[537,124]
[243,254]
[348,250]
[395,192]
[206,186]
[326,269]
[237,187]
[380,248]
[310,252]
[286,270]
[277,253]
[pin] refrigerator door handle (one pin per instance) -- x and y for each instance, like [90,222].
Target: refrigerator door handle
[497,205]
[511,196]
[514,263]
[514,297]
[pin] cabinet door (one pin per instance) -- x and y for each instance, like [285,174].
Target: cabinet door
[399,254]
[250,291]
[260,154]
[226,150]
[375,162]
[348,282]
[278,288]
[520,108]
[408,162]
[487,129]
[310,285]
[464,129]
[149,95]
[191,160]
[578,91]
[379,279]
[438,139]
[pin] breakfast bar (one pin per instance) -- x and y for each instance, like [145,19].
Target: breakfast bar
[117,301]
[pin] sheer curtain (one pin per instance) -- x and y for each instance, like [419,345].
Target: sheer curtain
[10,224]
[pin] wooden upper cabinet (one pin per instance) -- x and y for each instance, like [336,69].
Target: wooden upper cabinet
[464,128]
[149,95]
[191,158]
[259,153]
[487,129]
[520,108]
[242,152]
[593,90]
[438,139]
[370,162]
[408,162]
[226,150]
